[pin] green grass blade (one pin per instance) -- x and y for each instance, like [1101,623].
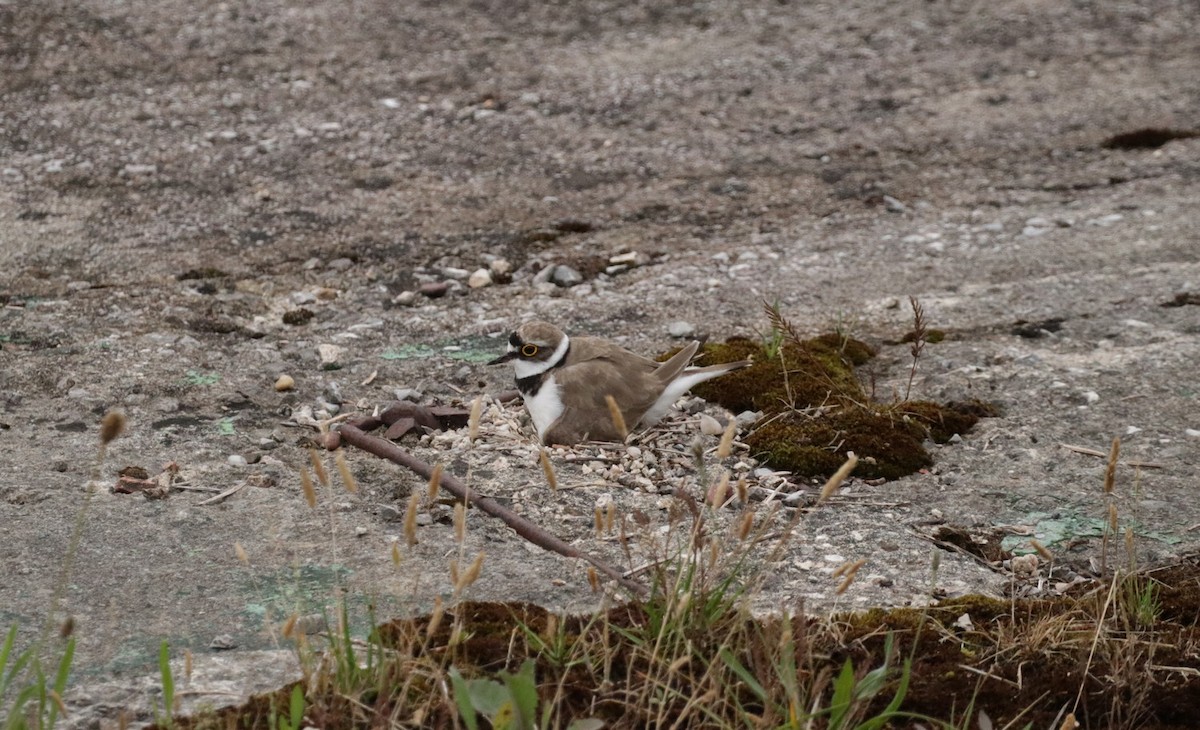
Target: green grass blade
[168,683]
[843,691]
[5,651]
[522,686]
[60,679]
[462,698]
[743,674]
[297,708]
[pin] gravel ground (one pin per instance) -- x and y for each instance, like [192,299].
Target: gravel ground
[366,197]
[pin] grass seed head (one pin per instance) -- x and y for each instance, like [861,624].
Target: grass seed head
[743,491]
[289,627]
[473,422]
[838,477]
[460,522]
[435,481]
[745,526]
[1112,518]
[1042,550]
[396,554]
[241,553]
[435,617]
[112,426]
[618,419]
[1110,473]
[849,570]
[318,467]
[717,495]
[410,519]
[473,571]
[306,485]
[339,458]
[726,446]
[454,572]
[548,470]
[593,579]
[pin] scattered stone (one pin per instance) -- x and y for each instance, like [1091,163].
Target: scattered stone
[1090,397]
[679,328]
[893,205]
[435,289]
[710,426]
[360,531]
[236,460]
[405,298]
[340,264]
[566,277]
[284,383]
[222,642]
[454,273]
[132,170]
[1107,220]
[480,279]
[333,393]
[545,274]
[1192,433]
[409,394]
[500,267]
[388,513]
[748,418]
[331,356]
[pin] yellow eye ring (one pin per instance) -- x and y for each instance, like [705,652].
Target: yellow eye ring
[529,350]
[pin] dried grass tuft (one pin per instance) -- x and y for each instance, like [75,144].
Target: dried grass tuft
[473,422]
[618,419]
[1110,473]
[112,426]
[435,481]
[548,470]
[410,519]
[339,459]
[318,467]
[306,485]
[838,477]
[725,448]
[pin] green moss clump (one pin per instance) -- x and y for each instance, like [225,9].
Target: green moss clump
[811,373]
[887,444]
[816,411]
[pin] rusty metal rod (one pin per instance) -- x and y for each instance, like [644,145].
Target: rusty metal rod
[523,527]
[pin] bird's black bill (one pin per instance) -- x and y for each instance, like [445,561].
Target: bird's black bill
[503,358]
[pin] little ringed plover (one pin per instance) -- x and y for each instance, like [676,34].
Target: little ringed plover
[565,381]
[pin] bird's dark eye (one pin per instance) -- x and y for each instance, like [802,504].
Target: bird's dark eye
[529,350]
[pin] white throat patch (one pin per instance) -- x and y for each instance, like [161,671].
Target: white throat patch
[526,368]
[545,408]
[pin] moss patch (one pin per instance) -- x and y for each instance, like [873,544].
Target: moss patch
[815,410]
